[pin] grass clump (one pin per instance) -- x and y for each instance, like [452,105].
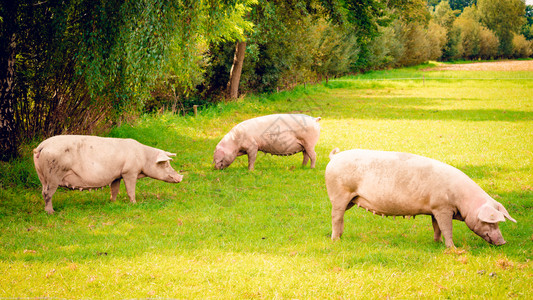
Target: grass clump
[265,234]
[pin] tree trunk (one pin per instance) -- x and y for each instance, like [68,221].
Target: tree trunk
[8,127]
[236,70]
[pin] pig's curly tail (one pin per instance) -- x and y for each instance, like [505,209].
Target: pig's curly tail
[333,152]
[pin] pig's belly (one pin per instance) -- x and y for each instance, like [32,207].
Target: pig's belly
[280,143]
[390,205]
[280,149]
[397,191]
[75,181]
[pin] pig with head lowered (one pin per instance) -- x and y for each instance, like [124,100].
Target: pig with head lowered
[279,134]
[402,184]
[87,162]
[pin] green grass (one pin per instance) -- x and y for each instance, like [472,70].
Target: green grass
[265,234]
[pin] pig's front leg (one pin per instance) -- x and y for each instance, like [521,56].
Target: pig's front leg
[252,155]
[444,222]
[115,187]
[129,182]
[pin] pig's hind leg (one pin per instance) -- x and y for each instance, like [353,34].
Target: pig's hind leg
[115,187]
[437,237]
[48,192]
[306,158]
[309,153]
[340,202]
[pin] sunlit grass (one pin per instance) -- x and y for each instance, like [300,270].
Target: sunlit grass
[265,234]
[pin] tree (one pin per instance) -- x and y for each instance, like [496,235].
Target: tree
[504,17]
[73,66]
[275,21]
[527,29]
[488,43]
[461,4]
[331,47]
[522,48]
[437,39]
[445,16]
[469,27]
[8,44]
[236,70]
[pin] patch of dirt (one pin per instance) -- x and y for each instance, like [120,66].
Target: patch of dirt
[504,65]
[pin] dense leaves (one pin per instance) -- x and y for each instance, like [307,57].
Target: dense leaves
[81,66]
[77,66]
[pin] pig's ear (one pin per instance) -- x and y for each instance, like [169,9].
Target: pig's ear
[505,213]
[162,156]
[489,214]
[170,154]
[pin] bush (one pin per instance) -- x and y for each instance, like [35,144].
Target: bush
[416,45]
[453,49]
[488,43]
[386,48]
[469,36]
[437,39]
[521,47]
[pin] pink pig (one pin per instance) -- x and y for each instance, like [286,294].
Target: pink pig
[402,184]
[279,134]
[86,162]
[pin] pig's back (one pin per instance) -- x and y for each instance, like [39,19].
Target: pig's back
[86,147]
[394,182]
[292,122]
[87,156]
[281,134]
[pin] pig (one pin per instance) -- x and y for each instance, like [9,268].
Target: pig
[403,184]
[278,134]
[88,162]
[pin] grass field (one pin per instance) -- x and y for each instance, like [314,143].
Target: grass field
[265,234]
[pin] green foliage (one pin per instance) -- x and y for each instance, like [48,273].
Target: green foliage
[444,15]
[461,4]
[81,66]
[488,44]
[235,234]
[521,46]
[467,23]
[504,17]
[386,48]
[527,29]
[437,39]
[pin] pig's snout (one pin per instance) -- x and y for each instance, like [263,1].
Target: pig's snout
[503,242]
[496,239]
[220,165]
[498,242]
[175,178]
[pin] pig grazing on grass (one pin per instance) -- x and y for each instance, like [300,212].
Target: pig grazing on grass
[87,162]
[279,134]
[402,184]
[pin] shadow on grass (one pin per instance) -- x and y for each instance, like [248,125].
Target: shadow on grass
[412,109]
